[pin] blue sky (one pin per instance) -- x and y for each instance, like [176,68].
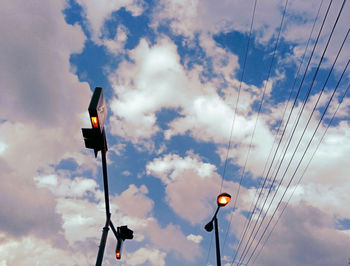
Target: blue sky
[192,111]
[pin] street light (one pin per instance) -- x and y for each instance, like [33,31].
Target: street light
[222,200]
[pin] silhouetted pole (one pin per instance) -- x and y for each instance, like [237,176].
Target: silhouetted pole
[218,258]
[108,214]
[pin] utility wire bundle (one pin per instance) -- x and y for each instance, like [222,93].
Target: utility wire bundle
[266,204]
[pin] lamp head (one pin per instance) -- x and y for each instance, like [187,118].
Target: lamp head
[223,199]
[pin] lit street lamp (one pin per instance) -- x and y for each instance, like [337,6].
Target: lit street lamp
[222,201]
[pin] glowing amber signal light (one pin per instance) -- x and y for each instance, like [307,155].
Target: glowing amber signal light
[223,199]
[94,121]
[117,255]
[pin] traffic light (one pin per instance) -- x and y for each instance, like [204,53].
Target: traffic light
[97,109]
[118,249]
[94,137]
[123,232]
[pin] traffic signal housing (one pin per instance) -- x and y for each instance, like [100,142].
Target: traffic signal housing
[118,250]
[94,139]
[97,109]
[123,232]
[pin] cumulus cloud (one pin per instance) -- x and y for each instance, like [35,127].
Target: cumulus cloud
[144,255]
[80,203]
[97,12]
[52,210]
[116,45]
[207,17]
[35,66]
[48,101]
[195,238]
[144,88]
[155,79]
[34,250]
[192,185]
[301,228]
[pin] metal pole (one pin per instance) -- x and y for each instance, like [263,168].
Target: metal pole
[103,241]
[104,169]
[218,259]
[108,214]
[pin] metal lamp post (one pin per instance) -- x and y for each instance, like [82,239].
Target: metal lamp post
[222,201]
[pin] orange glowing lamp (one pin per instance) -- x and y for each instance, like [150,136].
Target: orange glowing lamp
[223,199]
[117,255]
[98,109]
[94,121]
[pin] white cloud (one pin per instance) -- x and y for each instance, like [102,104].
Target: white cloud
[134,201]
[170,167]
[171,239]
[210,18]
[32,250]
[35,66]
[144,88]
[116,45]
[81,217]
[3,147]
[40,124]
[97,12]
[305,235]
[144,255]
[195,238]
[62,186]
[192,185]
[155,80]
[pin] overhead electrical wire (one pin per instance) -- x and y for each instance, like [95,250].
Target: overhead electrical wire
[238,96]
[294,104]
[235,112]
[295,128]
[257,118]
[297,168]
[280,180]
[261,102]
[303,174]
[283,115]
[295,150]
[289,97]
[300,160]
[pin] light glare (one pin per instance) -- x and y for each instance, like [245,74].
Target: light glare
[94,122]
[223,199]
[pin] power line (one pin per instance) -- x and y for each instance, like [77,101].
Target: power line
[309,117]
[295,128]
[235,112]
[257,117]
[309,143]
[302,176]
[239,92]
[285,109]
[300,115]
[294,104]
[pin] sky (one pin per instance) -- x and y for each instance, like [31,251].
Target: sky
[203,97]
